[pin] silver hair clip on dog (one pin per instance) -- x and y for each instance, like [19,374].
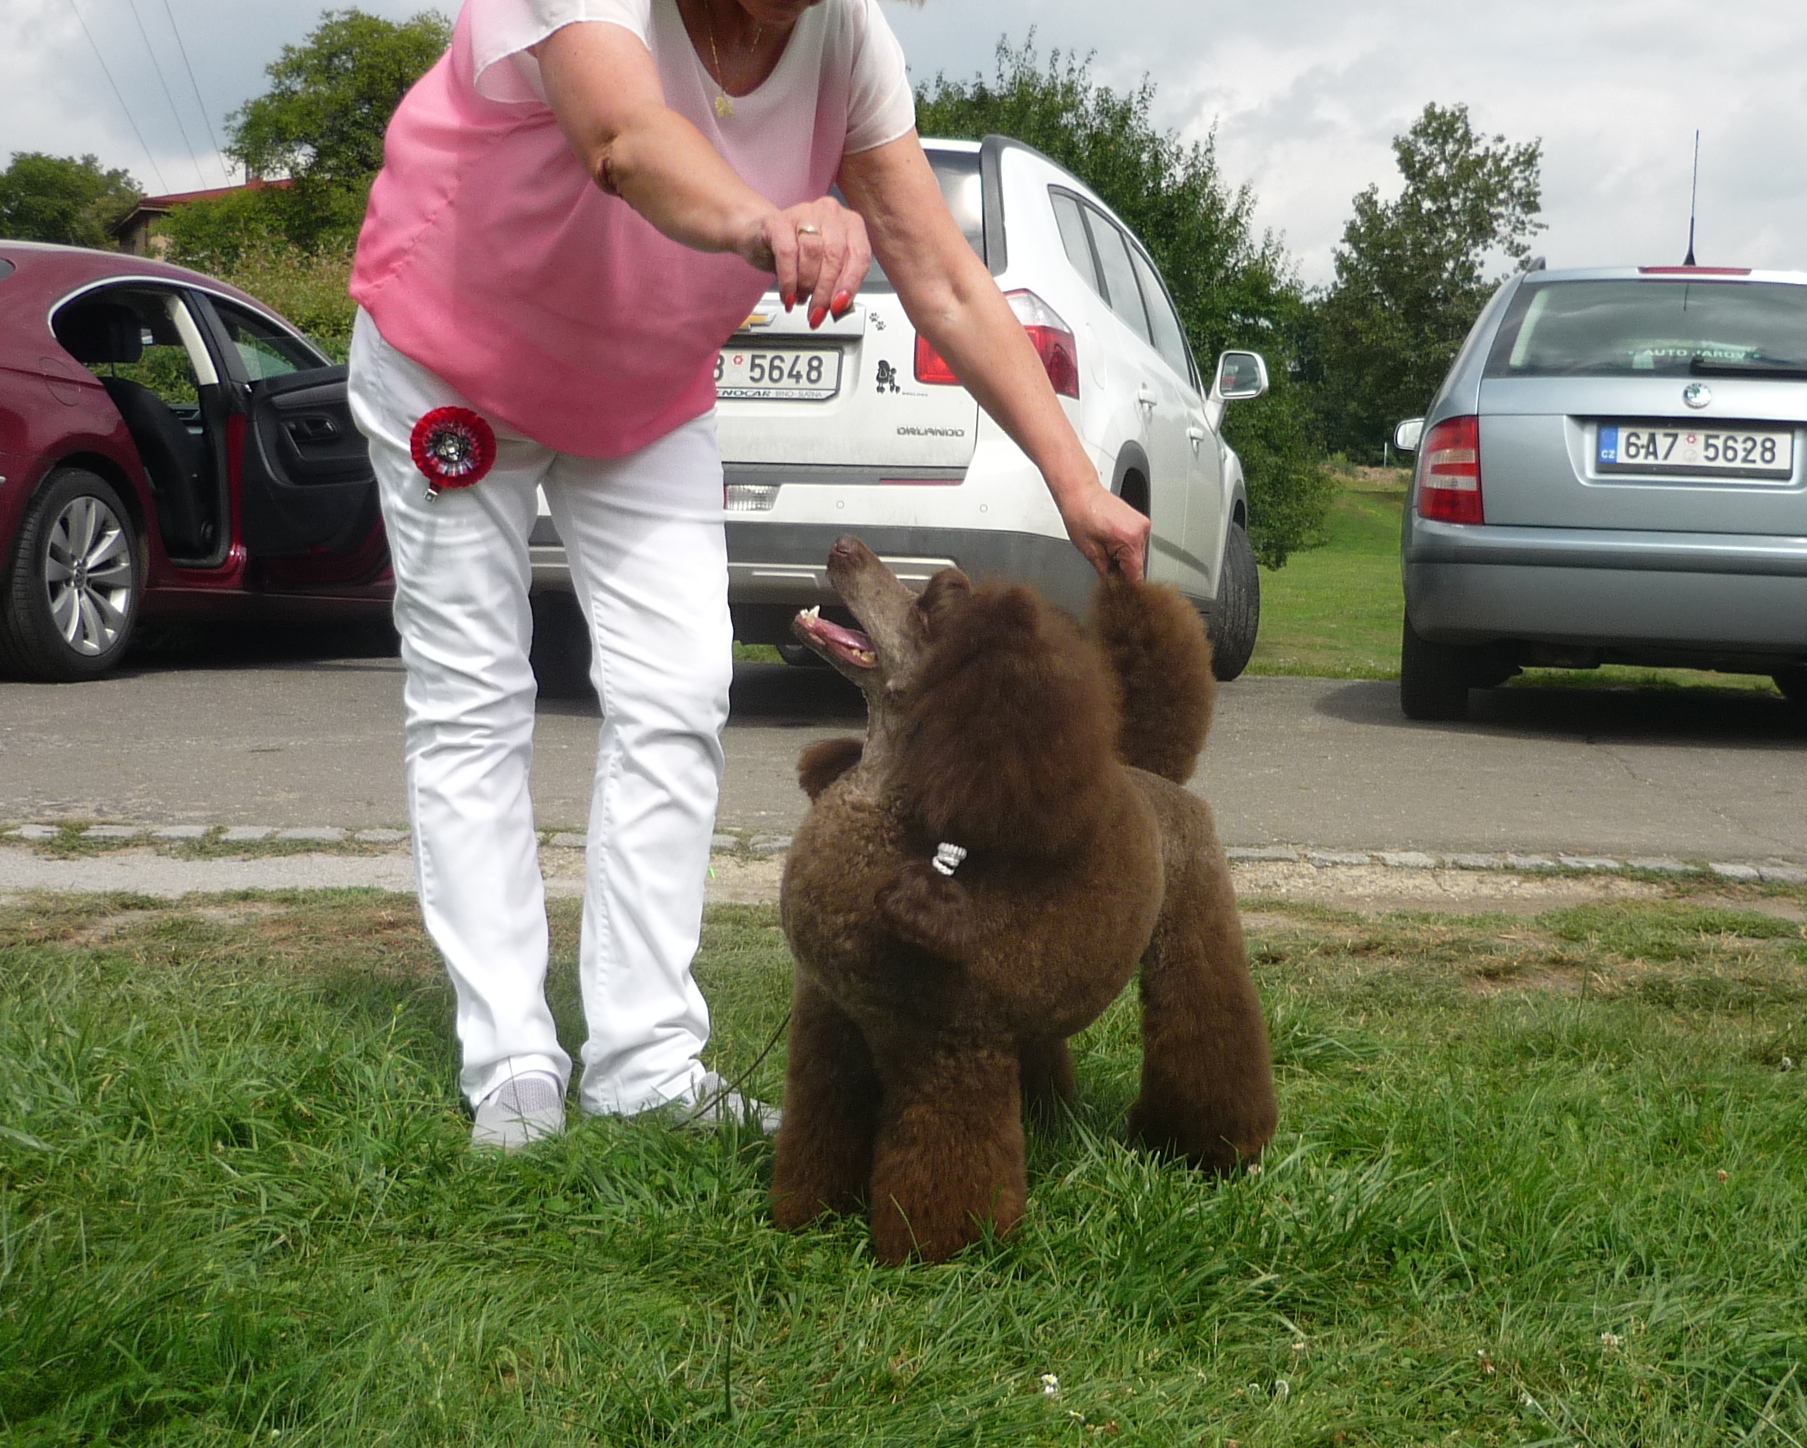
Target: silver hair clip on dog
[948,857]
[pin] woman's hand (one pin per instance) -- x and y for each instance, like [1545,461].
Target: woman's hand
[1106,529]
[817,250]
[951,297]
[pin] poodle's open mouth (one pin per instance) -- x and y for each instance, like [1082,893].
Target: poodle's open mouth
[848,645]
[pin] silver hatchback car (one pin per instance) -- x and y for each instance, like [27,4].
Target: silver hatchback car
[1614,471]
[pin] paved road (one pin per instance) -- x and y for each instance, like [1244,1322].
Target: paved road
[275,734]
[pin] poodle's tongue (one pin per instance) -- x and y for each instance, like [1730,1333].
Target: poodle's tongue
[849,645]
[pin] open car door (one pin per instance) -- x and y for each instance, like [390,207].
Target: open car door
[306,487]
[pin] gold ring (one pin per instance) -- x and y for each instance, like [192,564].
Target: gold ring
[809,228]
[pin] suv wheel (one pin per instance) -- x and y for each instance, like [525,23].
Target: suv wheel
[801,656]
[561,647]
[1434,679]
[1236,617]
[72,589]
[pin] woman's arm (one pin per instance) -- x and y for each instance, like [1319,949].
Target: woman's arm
[953,301]
[603,86]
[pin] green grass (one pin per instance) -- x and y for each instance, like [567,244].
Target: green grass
[1536,1182]
[1336,611]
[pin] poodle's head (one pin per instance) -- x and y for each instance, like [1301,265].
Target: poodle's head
[884,658]
[998,716]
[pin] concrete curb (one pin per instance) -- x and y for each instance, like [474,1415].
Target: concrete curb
[757,846]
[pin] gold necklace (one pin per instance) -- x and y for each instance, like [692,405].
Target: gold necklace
[724,107]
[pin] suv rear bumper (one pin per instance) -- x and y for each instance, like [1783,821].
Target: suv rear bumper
[1724,594]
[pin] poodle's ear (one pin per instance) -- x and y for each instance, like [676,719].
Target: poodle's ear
[1012,726]
[825,761]
[945,593]
[1161,657]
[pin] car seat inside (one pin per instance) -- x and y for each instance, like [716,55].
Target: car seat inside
[158,398]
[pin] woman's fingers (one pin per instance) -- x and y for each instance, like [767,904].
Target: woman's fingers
[1108,531]
[831,255]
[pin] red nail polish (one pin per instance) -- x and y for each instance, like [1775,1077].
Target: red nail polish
[842,301]
[790,300]
[817,315]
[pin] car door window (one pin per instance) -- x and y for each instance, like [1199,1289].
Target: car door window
[263,347]
[1120,286]
[1169,336]
[1073,236]
[165,365]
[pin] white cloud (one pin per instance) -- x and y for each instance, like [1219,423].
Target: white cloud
[1306,96]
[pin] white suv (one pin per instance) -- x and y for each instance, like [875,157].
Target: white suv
[860,427]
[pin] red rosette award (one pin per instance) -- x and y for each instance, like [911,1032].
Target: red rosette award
[453,447]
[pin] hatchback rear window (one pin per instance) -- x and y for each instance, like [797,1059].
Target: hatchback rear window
[1641,328]
[6,267]
[964,191]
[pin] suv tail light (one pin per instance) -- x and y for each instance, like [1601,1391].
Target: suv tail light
[1050,336]
[1449,472]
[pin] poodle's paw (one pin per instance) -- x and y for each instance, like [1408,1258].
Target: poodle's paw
[927,909]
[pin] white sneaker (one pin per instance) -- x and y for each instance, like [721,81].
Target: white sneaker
[711,1103]
[522,1110]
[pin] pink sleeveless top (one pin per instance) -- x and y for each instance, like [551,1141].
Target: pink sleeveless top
[490,257]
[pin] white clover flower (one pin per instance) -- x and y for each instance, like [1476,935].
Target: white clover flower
[1050,1386]
[1609,1339]
[1282,1389]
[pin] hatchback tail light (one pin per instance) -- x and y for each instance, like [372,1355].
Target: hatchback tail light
[1050,336]
[1449,472]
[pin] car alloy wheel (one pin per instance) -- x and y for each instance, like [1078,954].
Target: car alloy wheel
[71,595]
[88,575]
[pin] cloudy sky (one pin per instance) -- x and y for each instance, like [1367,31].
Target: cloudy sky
[1305,96]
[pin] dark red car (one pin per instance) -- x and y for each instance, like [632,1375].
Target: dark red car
[169,449]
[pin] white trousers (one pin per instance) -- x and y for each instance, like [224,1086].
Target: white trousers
[643,534]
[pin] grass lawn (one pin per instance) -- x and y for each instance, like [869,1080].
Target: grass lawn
[1537,1181]
[1336,611]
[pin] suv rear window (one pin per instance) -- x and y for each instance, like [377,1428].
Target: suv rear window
[1629,328]
[964,192]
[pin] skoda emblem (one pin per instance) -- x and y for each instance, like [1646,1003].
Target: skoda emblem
[1697,394]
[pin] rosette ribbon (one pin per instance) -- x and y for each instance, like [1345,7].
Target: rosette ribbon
[453,447]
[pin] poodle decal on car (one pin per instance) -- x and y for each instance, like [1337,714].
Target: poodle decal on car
[978,879]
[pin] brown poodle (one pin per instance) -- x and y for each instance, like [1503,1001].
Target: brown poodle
[936,987]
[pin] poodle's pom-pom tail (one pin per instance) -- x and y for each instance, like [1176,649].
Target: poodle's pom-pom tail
[1161,657]
[825,761]
[1012,732]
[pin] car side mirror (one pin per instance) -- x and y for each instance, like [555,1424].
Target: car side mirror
[1240,376]
[1408,434]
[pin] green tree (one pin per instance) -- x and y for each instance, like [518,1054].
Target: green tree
[322,120]
[64,199]
[1411,274]
[1232,287]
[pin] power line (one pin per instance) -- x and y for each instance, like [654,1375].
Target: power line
[163,81]
[194,85]
[130,120]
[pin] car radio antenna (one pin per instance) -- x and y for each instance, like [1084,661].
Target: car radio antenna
[1693,200]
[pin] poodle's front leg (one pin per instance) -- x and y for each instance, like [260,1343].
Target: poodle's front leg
[949,1155]
[831,1096]
[927,909]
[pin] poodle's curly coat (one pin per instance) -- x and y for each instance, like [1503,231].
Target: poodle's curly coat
[928,1007]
